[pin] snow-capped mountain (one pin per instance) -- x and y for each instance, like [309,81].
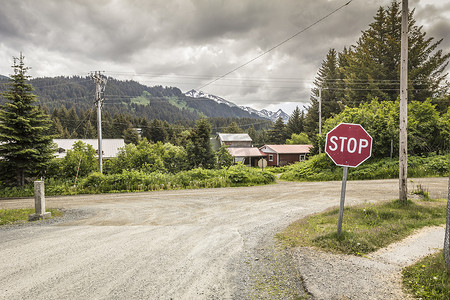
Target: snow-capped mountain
[273,116]
[200,94]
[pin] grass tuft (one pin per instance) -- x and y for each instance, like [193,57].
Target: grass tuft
[14,216]
[366,227]
[428,278]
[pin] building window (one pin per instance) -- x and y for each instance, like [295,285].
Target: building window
[302,157]
[270,157]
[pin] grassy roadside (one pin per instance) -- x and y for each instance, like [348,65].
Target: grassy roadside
[13,216]
[369,227]
[366,227]
[428,278]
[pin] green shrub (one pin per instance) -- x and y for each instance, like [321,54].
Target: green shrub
[238,174]
[321,168]
[197,178]
[80,160]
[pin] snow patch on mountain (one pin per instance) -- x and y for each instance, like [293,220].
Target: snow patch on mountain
[200,94]
[273,116]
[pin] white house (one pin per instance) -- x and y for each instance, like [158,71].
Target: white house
[110,147]
[240,140]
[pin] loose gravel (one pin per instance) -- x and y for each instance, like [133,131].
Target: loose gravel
[192,244]
[377,276]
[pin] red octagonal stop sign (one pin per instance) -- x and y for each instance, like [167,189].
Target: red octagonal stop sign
[348,145]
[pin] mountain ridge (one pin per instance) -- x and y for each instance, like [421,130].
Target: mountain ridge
[264,113]
[164,103]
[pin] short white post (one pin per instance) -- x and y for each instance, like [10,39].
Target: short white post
[39,202]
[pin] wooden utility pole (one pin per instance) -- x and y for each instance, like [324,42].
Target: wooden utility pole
[320,115]
[403,145]
[447,226]
[100,84]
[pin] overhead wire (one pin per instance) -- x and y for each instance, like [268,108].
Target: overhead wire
[276,46]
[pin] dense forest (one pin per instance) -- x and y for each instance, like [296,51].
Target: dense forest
[163,103]
[158,113]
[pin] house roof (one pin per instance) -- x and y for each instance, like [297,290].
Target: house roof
[234,137]
[110,147]
[246,152]
[288,149]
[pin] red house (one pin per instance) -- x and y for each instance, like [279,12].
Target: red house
[281,155]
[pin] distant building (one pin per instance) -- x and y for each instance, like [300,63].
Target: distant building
[110,147]
[281,155]
[239,145]
[241,140]
[249,156]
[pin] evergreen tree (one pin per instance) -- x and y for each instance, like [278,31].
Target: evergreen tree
[199,149]
[252,133]
[373,68]
[233,128]
[25,146]
[224,158]
[328,81]
[295,123]
[278,133]
[120,123]
[89,131]
[74,122]
[156,131]
[58,129]
[130,135]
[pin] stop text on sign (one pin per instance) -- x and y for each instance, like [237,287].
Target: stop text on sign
[348,145]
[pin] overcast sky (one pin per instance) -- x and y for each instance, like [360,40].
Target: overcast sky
[188,43]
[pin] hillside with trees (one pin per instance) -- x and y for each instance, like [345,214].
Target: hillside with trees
[162,113]
[157,102]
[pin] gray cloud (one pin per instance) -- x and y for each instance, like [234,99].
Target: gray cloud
[189,43]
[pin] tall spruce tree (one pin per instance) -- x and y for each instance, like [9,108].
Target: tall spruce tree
[26,147]
[155,131]
[328,80]
[278,133]
[295,123]
[233,128]
[199,149]
[373,68]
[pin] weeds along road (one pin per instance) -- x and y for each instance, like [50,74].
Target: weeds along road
[187,244]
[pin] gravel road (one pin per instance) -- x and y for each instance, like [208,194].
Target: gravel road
[189,244]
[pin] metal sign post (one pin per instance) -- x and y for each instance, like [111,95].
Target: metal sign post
[348,145]
[341,206]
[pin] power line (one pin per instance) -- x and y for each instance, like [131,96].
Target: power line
[276,46]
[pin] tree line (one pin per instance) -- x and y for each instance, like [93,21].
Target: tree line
[370,70]
[359,84]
